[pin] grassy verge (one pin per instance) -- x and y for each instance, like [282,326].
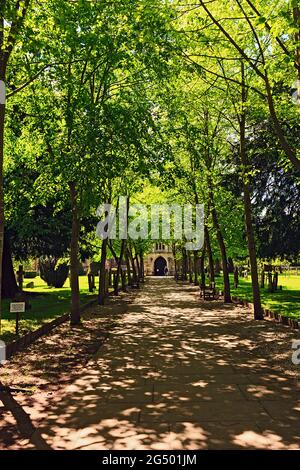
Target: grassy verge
[285,301]
[47,304]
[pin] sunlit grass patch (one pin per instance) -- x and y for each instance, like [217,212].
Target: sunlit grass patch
[47,303]
[285,301]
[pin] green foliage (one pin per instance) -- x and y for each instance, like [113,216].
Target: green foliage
[143,99]
[53,272]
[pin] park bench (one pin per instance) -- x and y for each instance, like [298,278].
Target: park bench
[209,292]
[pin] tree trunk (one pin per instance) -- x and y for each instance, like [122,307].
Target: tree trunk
[142,271]
[184,265]
[262,279]
[296,14]
[123,280]
[209,254]
[102,274]
[230,265]
[135,280]
[91,282]
[196,268]
[175,261]
[119,268]
[190,264]
[202,267]
[138,267]
[74,280]
[217,267]
[236,277]
[128,266]
[9,284]
[258,312]
[227,295]
[2,120]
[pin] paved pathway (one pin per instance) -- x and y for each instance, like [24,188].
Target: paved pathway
[177,374]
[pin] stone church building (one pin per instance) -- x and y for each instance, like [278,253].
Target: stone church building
[160,262]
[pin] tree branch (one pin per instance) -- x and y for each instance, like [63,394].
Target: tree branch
[232,41]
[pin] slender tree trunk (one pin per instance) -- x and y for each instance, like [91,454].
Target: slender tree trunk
[190,264]
[175,261]
[184,265]
[138,267]
[196,268]
[196,254]
[102,274]
[91,282]
[230,265]
[133,267]
[262,278]
[128,265]
[142,271]
[296,14]
[209,254]
[213,211]
[202,266]
[217,267]
[227,295]
[2,121]
[123,280]
[258,312]
[236,277]
[75,294]
[9,283]
[119,267]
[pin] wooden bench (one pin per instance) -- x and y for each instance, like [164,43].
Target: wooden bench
[209,292]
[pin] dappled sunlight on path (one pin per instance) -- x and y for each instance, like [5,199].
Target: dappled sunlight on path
[177,373]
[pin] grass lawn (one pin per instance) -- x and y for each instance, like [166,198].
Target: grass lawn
[47,305]
[285,301]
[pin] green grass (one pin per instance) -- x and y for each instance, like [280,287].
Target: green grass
[51,303]
[285,301]
[47,304]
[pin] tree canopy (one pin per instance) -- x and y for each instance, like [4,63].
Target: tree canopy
[117,98]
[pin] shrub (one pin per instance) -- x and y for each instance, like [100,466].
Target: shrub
[52,273]
[30,274]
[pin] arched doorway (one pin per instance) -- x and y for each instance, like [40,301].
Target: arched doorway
[159,266]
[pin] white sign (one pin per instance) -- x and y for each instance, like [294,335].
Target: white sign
[17,307]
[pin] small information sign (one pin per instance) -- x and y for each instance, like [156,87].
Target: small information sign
[17,307]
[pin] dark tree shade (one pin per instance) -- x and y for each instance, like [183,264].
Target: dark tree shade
[276,197]
[9,284]
[275,191]
[37,224]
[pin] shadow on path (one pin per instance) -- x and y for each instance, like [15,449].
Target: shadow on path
[23,428]
[177,373]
